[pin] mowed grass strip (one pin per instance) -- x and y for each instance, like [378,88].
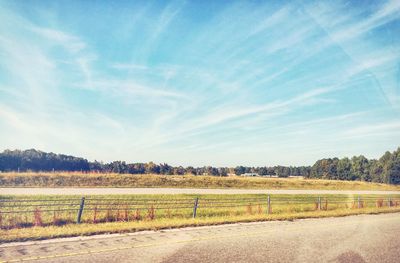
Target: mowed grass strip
[119,217]
[179,181]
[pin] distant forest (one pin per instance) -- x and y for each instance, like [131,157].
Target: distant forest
[358,168]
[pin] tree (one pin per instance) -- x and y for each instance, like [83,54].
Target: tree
[263,171]
[40,161]
[282,171]
[179,170]
[152,168]
[376,171]
[344,169]
[239,170]
[393,168]
[384,170]
[360,168]
[166,169]
[209,170]
[223,171]
[190,170]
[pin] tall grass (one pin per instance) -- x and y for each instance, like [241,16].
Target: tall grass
[37,233]
[62,210]
[186,181]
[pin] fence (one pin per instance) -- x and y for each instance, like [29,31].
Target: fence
[16,213]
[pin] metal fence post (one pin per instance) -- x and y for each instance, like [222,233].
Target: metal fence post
[269,205]
[319,202]
[196,201]
[359,202]
[78,220]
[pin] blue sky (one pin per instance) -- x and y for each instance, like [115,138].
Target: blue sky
[220,83]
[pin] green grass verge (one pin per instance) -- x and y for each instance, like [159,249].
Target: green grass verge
[39,233]
[336,205]
[178,181]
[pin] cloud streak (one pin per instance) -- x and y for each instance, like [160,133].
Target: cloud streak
[203,83]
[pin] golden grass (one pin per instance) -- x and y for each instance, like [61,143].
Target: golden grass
[178,181]
[38,233]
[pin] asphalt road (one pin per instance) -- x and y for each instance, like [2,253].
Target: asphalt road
[364,238]
[102,191]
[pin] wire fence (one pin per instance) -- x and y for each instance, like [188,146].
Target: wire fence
[18,213]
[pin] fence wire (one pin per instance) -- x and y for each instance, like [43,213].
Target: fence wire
[39,212]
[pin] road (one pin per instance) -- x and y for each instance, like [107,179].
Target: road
[108,191]
[363,238]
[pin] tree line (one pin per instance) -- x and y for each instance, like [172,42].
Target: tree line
[384,170]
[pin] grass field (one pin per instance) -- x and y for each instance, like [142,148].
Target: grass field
[120,214]
[178,181]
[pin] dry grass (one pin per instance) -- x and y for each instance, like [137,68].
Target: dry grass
[177,181]
[38,233]
[41,224]
[37,215]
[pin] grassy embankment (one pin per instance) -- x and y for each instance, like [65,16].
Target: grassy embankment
[127,219]
[178,181]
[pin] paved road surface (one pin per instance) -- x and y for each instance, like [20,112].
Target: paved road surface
[365,238]
[99,191]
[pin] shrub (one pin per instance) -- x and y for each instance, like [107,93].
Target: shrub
[326,204]
[37,217]
[57,221]
[169,215]
[136,216]
[151,213]
[118,216]
[126,214]
[95,214]
[249,209]
[109,215]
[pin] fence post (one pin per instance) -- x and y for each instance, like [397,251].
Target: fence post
[78,220]
[319,202]
[359,202]
[390,202]
[269,205]
[196,201]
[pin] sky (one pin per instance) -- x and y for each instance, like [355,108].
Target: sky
[220,83]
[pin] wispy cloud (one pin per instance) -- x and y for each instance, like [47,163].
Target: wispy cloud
[70,42]
[372,130]
[167,16]
[129,89]
[240,83]
[126,66]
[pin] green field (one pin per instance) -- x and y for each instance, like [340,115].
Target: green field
[179,181]
[127,213]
